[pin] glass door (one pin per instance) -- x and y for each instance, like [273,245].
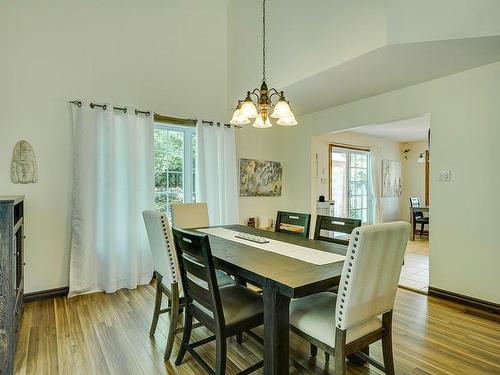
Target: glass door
[350,179]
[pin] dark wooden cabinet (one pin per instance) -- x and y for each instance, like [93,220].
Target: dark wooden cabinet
[11,277]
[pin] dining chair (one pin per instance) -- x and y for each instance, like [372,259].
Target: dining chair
[334,225]
[360,314]
[293,223]
[418,217]
[167,274]
[190,215]
[225,311]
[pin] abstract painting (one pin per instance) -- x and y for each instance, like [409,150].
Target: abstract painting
[260,178]
[391,178]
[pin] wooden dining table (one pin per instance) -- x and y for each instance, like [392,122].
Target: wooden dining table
[281,279]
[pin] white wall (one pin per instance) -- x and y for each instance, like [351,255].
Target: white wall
[413,176]
[388,150]
[168,56]
[465,118]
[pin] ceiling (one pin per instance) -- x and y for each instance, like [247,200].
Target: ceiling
[389,68]
[409,130]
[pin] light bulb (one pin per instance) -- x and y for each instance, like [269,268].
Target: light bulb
[287,120]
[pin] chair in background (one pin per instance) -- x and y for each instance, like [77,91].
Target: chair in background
[335,225]
[293,223]
[418,217]
[226,311]
[346,323]
[190,215]
[168,280]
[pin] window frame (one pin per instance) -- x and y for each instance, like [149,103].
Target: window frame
[189,133]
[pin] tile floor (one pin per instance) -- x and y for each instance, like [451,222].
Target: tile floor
[415,272]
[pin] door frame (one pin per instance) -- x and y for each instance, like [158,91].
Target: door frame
[350,148]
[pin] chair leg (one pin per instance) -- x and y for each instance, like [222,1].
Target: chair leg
[220,344]
[387,343]
[414,225]
[156,312]
[188,325]
[314,350]
[421,230]
[239,338]
[340,366]
[174,315]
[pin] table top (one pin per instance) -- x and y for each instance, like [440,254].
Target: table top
[291,277]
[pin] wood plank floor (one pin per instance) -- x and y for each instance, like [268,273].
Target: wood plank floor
[108,334]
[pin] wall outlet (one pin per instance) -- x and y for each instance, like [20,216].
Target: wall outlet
[445,176]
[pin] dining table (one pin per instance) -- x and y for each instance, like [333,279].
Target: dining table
[289,267]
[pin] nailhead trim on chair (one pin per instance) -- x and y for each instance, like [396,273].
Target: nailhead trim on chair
[172,265]
[354,245]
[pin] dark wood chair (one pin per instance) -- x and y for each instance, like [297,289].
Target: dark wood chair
[418,217]
[168,281]
[335,225]
[293,223]
[226,311]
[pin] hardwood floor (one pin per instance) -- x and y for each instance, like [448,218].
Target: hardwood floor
[415,271]
[108,334]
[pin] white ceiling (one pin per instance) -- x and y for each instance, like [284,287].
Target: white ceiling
[389,68]
[409,130]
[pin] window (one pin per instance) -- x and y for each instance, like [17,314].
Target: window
[175,165]
[350,179]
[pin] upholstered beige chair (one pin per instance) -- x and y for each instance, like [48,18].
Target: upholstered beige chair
[361,313]
[190,215]
[168,279]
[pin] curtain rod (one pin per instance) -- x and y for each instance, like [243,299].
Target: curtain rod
[158,117]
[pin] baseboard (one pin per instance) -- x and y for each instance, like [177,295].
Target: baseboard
[44,294]
[465,300]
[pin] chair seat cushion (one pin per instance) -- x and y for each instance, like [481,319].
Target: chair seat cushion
[315,316]
[241,304]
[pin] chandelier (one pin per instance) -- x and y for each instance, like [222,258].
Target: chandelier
[246,109]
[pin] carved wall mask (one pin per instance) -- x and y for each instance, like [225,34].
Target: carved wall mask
[23,169]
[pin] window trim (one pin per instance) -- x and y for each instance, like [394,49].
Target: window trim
[187,171]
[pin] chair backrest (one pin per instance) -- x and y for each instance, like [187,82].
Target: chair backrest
[293,223]
[414,202]
[334,225]
[371,272]
[198,277]
[160,240]
[190,215]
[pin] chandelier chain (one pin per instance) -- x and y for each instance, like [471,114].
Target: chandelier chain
[264,40]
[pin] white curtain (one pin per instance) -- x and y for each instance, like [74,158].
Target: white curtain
[112,185]
[217,173]
[376,172]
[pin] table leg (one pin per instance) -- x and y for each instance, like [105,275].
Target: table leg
[276,336]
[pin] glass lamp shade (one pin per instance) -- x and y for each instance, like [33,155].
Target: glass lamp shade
[239,119]
[282,109]
[287,120]
[248,109]
[259,123]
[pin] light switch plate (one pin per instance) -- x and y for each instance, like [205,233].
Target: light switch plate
[445,176]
